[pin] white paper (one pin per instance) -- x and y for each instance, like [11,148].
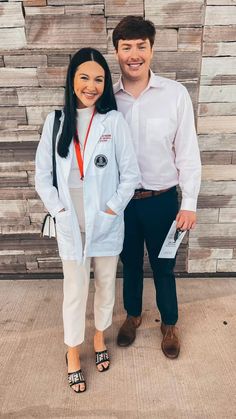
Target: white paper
[170,247]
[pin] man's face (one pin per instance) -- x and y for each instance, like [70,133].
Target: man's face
[134,57]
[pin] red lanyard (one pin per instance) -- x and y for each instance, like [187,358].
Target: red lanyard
[80,159]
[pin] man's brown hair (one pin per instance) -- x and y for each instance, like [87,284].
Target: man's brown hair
[133,27]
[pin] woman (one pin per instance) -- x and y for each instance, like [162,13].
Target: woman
[97,173]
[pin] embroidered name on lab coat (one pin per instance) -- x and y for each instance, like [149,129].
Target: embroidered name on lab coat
[105,137]
[100,161]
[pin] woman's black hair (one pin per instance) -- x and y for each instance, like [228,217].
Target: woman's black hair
[103,105]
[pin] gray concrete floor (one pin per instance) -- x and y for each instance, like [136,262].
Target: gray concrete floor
[141,382]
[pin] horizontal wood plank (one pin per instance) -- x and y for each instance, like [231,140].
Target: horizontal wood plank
[92,9]
[218,187]
[185,62]
[189,39]
[226,265]
[19,134]
[217,94]
[11,15]
[220,2]
[219,172]
[217,142]
[211,49]
[52,77]
[166,40]
[219,242]
[17,77]
[218,80]
[23,61]
[58,60]
[214,230]
[52,31]
[214,66]
[36,115]
[41,96]
[213,109]
[8,97]
[44,10]
[216,157]
[220,15]
[207,265]
[72,2]
[123,7]
[12,39]
[227,215]
[210,253]
[219,33]
[206,216]
[216,124]
[16,113]
[34,3]
[175,13]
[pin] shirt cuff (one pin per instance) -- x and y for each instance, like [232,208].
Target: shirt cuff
[189,204]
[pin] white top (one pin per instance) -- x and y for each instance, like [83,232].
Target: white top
[162,125]
[83,118]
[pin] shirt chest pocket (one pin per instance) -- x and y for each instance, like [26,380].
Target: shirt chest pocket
[158,131]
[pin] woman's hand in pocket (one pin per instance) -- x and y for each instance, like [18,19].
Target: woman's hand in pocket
[109,211]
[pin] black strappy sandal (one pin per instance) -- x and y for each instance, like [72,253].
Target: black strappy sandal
[101,357]
[76,377]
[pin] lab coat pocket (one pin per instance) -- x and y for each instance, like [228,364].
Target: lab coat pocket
[106,227]
[64,233]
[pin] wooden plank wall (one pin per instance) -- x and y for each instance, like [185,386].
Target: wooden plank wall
[212,246]
[196,44]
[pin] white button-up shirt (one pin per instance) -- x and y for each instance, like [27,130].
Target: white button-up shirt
[162,125]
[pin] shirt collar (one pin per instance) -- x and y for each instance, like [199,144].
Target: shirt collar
[154,81]
[118,86]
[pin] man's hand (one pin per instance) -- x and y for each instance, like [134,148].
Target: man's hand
[186,220]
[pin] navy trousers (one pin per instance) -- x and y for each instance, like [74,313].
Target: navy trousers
[148,220]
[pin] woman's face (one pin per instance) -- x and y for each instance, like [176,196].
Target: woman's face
[89,83]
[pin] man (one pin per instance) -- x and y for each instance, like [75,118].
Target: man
[160,115]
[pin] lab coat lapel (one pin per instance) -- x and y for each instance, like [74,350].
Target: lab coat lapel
[96,131]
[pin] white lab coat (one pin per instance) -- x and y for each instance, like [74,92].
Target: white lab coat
[110,176]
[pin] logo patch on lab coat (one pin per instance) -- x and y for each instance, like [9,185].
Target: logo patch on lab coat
[100,161]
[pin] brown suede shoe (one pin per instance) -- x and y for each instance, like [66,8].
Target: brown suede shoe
[170,343]
[127,332]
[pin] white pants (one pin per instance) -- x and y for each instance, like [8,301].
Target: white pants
[76,287]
